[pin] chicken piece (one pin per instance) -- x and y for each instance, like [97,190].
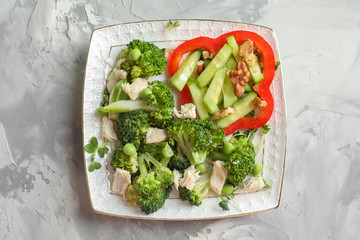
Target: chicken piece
[107,129]
[155,135]
[122,179]
[134,90]
[190,177]
[115,76]
[252,185]
[177,176]
[119,62]
[223,113]
[218,177]
[187,110]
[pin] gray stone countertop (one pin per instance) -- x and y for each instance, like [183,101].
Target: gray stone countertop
[43,50]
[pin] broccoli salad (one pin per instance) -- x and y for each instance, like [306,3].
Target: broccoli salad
[197,149]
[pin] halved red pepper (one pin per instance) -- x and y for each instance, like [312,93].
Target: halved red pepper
[262,89]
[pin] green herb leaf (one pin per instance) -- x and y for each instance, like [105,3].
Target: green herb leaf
[94,141]
[266,128]
[91,167]
[89,148]
[97,165]
[103,151]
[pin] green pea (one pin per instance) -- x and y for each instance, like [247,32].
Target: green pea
[227,189]
[129,149]
[256,169]
[228,148]
[135,54]
[201,168]
[145,93]
[101,112]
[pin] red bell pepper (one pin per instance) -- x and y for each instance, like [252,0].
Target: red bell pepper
[262,88]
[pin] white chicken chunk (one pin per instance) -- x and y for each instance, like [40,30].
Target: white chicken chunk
[134,90]
[177,177]
[190,177]
[107,130]
[115,76]
[187,110]
[252,185]
[122,179]
[155,135]
[218,177]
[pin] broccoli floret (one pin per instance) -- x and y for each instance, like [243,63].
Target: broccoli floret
[123,161]
[242,159]
[196,138]
[131,127]
[147,191]
[200,190]
[179,161]
[149,59]
[162,173]
[164,101]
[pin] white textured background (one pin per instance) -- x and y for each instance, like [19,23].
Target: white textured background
[43,46]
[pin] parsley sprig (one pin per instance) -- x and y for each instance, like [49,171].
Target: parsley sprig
[92,147]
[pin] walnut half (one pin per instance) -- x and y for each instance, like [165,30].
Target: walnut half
[239,77]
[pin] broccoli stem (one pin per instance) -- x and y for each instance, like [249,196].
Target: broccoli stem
[128,106]
[150,158]
[165,161]
[142,166]
[220,156]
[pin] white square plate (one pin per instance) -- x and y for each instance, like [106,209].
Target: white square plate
[106,43]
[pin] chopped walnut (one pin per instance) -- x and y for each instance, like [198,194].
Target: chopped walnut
[223,113]
[200,66]
[239,77]
[206,54]
[246,52]
[259,102]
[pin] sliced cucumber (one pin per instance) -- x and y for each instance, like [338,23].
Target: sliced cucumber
[219,61]
[228,92]
[241,108]
[212,94]
[197,96]
[255,72]
[233,44]
[128,106]
[231,64]
[180,78]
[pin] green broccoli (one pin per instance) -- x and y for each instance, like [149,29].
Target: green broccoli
[200,190]
[123,161]
[160,103]
[147,191]
[143,59]
[179,161]
[131,127]
[162,173]
[196,138]
[241,160]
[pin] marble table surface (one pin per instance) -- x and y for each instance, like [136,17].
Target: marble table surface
[43,49]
